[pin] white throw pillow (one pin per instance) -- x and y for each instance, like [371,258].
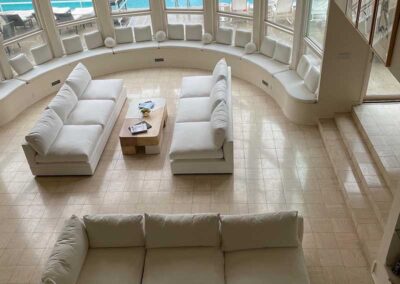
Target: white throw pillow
[176,31]
[207,38]
[45,131]
[303,67]
[79,79]
[124,35]
[250,48]
[220,71]
[282,53]
[143,33]
[311,80]
[109,42]
[218,94]
[20,64]
[242,38]
[194,32]
[224,36]
[160,36]
[72,44]
[64,102]
[93,39]
[220,123]
[268,46]
[41,54]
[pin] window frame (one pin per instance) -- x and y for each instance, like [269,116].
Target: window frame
[312,44]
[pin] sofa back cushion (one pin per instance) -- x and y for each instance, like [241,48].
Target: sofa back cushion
[218,94]
[143,33]
[41,54]
[311,80]
[113,231]
[64,102]
[45,131]
[20,64]
[220,123]
[124,35]
[194,32]
[268,46]
[282,53]
[72,44]
[79,79]
[303,67]
[93,39]
[269,230]
[198,230]
[176,31]
[220,71]
[242,38]
[224,36]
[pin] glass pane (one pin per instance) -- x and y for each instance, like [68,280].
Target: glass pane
[351,11]
[279,35]
[143,20]
[72,10]
[365,17]
[281,12]
[121,6]
[184,4]
[185,19]
[235,23]
[17,18]
[24,46]
[78,30]
[236,6]
[381,81]
[317,21]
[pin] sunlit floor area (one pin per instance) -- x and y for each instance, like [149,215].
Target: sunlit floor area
[381,81]
[278,166]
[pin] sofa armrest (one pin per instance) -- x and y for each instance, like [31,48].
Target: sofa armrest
[30,153]
[300,229]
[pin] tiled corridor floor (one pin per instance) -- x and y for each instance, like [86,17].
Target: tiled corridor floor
[278,166]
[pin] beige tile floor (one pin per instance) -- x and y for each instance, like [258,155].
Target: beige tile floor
[278,166]
[381,81]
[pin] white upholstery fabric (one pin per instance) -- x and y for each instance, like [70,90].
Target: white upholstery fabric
[74,143]
[124,35]
[142,33]
[218,94]
[242,38]
[41,54]
[220,123]
[68,255]
[110,42]
[79,79]
[207,38]
[72,44]
[250,48]
[220,71]
[186,230]
[117,230]
[113,265]
[266,266]
[20,64]
[64,102]
[268,46]
[184,265]
[45,131]
[93,39]
[194,140]
[108,89]
[194,109]
[268,64]
[160,36]
[295,86]
[268,230]
[194,32]
[196,86]
[282,52]
[224,36]
[88,112]
[303,66]
[311,80]
[176,31]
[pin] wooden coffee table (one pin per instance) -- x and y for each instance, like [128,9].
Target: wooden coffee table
[146,143]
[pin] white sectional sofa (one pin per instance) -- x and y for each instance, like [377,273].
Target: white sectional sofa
[71,134]
[179,249]
[203,136]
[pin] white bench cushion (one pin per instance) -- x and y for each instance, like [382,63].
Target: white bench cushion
[224,36]
[268,46]
[93,39]
[194,32]
[196,86]
[142,33]
[74,143]
[124,35]
[79,79]
[311,80]
[64,102]
[295,86]
[194,140]
[193,110]
[20,64]
[176,31]
[242,38]
[282,52]
[268,64]
[113,265]
[109,89]
[184,265]
[303,66]
[89,112]
[266,266]
[72,44]
[41,54]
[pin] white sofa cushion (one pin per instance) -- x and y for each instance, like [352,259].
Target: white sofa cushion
[311,80]
[194,140]
[303,67]
[268,46]
[193,110]
[124,35]
[196,86]
[220,123]
[255,231]
[295,87]
[220,71]
[143,33]
[41,54]
[68,255]
[218,94]
[194,32]
[45,131]
[268,64]
[282,52]
[184,265]
[88,112]
[72,44]
[176,31]
[64,102]
[224,36]
[79,79]
[20,64]
[74,143]
[242,38]
[186,230]
[93,39]
[109,89]
[116,230]
[113,265]
[266,266]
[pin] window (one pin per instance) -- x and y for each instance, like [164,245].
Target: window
[316,25]
[235,23]
[351,10]
[279,34]
[244,7]
[365,17]
[126,6]
[184,4]
[72,10]
[281,13]
[185,18]
[132,21]
[190,11]
[130,13]
[24,46]
[236,14]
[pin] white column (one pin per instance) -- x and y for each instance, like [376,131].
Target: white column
[157,15]
[258,21]
[209,16]
[4,65]
[104,19]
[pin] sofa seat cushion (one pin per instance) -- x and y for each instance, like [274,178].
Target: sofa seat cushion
[268,64]
[266,266]
[295,87]
[194,140]
[74,143]
[89,112]
[113,265]
[184,265]
[234,51]
[196,86]
[194,110]
[103,90]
